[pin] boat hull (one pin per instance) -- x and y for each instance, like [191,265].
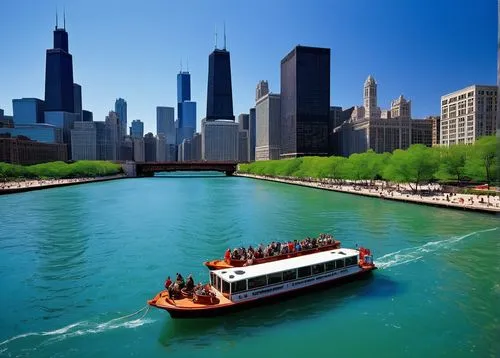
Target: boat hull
[219,310]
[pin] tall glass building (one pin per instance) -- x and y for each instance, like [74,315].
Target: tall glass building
[59,75]
[28,111]
[219,91]
[121,110]
[305,102]
[183,93]
[137,129]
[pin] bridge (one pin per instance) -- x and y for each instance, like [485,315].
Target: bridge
[144,169]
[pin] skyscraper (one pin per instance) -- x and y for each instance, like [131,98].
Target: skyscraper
[268,127]
[219,91]
[183,92]
[261,90]
[305,101]
[121,110]
[165,123]
[59,74]
[77,100]
[137,129]
[252,129]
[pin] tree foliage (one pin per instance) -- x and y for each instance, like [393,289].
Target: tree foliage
[58,170]
[415,165]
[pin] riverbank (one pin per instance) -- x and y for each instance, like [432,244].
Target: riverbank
[20,186]
[433,193]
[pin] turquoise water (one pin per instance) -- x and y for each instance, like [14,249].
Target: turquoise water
[75,260]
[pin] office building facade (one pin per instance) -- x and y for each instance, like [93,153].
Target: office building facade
[219,140]
[139,150]
[28,111]
[137,129]
[59,93]
[27,152]
[88,116]
[268,118]
[219,90]
[161,148]
[121,111]
[305,102]
[83,141]
[468,114]
[63,120]
[252,132]
[149,147]
[261,90]
[77,101]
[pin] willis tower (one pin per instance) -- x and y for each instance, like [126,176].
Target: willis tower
[59,74]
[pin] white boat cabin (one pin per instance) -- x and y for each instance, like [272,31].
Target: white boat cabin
[236,282]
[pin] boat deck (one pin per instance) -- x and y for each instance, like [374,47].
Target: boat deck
[163,301]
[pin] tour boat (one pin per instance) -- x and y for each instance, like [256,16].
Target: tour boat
[243,287]
[229,262]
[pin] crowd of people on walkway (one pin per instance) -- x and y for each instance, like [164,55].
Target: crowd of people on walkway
[11,185]
[276,248]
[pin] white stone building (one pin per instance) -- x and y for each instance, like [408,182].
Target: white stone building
[219,140]
[268,127]
[468,114]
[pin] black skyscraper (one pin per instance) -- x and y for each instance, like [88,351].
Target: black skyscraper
[59,74]
[305,101]
[219,92]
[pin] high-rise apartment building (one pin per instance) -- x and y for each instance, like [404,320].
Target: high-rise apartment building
[436,128]
[121,111]
[149,147]
[468,114]
[59,94]
[305,101]
[137,129]
[268,118]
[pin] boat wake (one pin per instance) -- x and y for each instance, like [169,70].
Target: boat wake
[412,254]
[82,328]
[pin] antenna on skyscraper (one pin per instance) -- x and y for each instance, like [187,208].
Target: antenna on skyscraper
[64,18]
[224,35]
[57,23]
[181,64]
[216,36]
[187,64]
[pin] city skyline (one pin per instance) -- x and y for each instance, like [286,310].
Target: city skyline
[418,59]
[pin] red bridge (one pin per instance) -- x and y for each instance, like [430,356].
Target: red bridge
[148,169]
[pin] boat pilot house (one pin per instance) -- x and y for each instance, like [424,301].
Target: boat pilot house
[252,282]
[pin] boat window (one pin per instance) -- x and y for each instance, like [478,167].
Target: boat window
[319,268]
[274,278]
[225,286]
[239,286]
[212,279]
[219,284]
[339,263]
[330,265]
[289,275]
[353,260]
[304,271]
[258,281]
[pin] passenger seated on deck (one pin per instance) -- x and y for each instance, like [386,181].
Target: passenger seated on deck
[180,281]
[227,255]
[190,283]
[168,282]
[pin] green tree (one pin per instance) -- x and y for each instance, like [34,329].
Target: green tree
[484,160]
[413,166]
[453,161]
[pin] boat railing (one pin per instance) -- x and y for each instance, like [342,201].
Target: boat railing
[261,260]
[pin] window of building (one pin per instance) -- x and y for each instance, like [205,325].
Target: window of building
[258,281]
[239,286]
[304,271]
[289,275]
[274,278]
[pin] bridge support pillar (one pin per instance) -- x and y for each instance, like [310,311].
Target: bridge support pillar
[229,173]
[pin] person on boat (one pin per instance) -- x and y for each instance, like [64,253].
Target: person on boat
[227,255]
[190,283]
[168,282]
[180,281]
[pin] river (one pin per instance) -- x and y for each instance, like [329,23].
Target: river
[76,261]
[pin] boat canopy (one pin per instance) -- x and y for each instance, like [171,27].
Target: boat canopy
[234,274]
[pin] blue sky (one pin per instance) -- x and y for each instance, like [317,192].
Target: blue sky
[132,49]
